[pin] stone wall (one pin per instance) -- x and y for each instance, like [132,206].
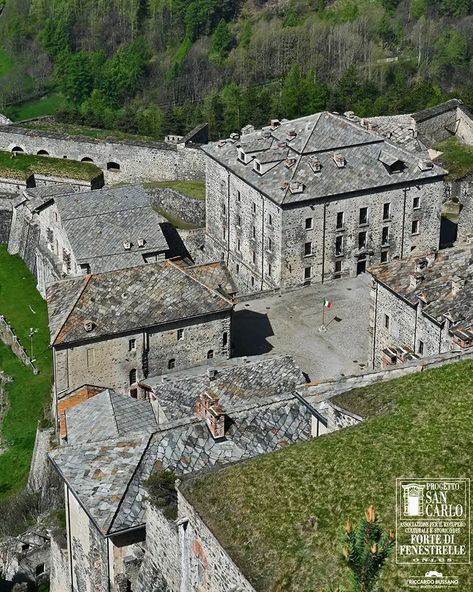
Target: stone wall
[59,562]
[16,186]
[5,219]
[11,340]
[337,417]
[109,361]
[183,207]
[205,565]
[39,468]
[462,190]
[465,127]
[161,567]
[136,161]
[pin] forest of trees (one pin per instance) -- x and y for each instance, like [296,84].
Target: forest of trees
[153,66]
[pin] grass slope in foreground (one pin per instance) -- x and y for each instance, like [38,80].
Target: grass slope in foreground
[20,166]
[418,426]
[28,394]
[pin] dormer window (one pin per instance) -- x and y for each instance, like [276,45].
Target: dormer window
[315,164]
[339,160]
[257,166]
[141,243]
[291,135]
[296,187]
[426,165]
[243,156]
[290,162]
[275,123]
[392,163]
[127,245]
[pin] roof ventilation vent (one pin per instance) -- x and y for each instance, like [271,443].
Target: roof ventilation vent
[248,129]
[275,123]
[88,326]
[141,242]
[349,114]
[222,143]
[127,245]
[426,165]
[315,164]
[266,133]
[290,162]
[282,144]
[339,160]
[296,187]
[234,137]
[291,135]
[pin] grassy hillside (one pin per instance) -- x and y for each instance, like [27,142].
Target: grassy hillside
[418,426]
[23,307]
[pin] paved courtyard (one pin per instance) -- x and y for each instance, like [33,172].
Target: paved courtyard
[289,323]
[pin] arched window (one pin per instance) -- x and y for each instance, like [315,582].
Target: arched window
[171,364]
[17,149]
[210,354]
[86,159]
[132,376]
[113,166]
[42,153]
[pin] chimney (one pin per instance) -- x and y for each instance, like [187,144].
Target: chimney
[211,373]
[207,407]
[339,160]
[414,280]
[431,257]
[457,284]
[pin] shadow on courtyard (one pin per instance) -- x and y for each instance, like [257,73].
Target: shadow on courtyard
[250,332]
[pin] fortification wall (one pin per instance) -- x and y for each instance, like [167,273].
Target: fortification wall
[191,211]
[37,478]
[5,219]
[125,161]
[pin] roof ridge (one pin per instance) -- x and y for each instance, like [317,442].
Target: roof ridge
[301,154]
[71,307]
[211,290]
[135,470]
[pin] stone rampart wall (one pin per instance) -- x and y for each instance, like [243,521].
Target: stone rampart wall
[126,161]
[5,219]
[190,211]
[39,463]
[11,340]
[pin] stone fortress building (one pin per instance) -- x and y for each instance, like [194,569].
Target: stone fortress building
[317,198]
[87,232]
[422,306]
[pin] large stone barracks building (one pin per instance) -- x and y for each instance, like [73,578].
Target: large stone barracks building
[118,327]
[317,198]
[422,306]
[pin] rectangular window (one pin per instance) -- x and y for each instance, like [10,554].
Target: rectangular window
[384,256]
[224,232]
[361,240]
[340,219]
[238,221]
[180,334]
[309,223]
[385,235]
[225,339]
[224,210]
[270,244]
[269,269]
[90,358]
[84,267]
[307,249]
[252,281]
[237,268]
[254,208]
[420,348]
[416,203]
[339,245]
[238,245]
[387,321]
[338,266]
[386,211]
[415,226]
[132,345]
[270,220]
[363,215]
[253,232]
[307,273]
[238,196]
[254,257]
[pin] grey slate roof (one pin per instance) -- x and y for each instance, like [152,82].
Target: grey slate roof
[108,415]
[322,135]
[237,381]
[98,223]
[107,476]
[434,286]
[128,299]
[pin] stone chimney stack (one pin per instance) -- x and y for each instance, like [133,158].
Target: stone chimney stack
[457,284]
[207,407]
[414,280]
[431,257]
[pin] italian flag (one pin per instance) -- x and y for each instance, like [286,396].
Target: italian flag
[327,303]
